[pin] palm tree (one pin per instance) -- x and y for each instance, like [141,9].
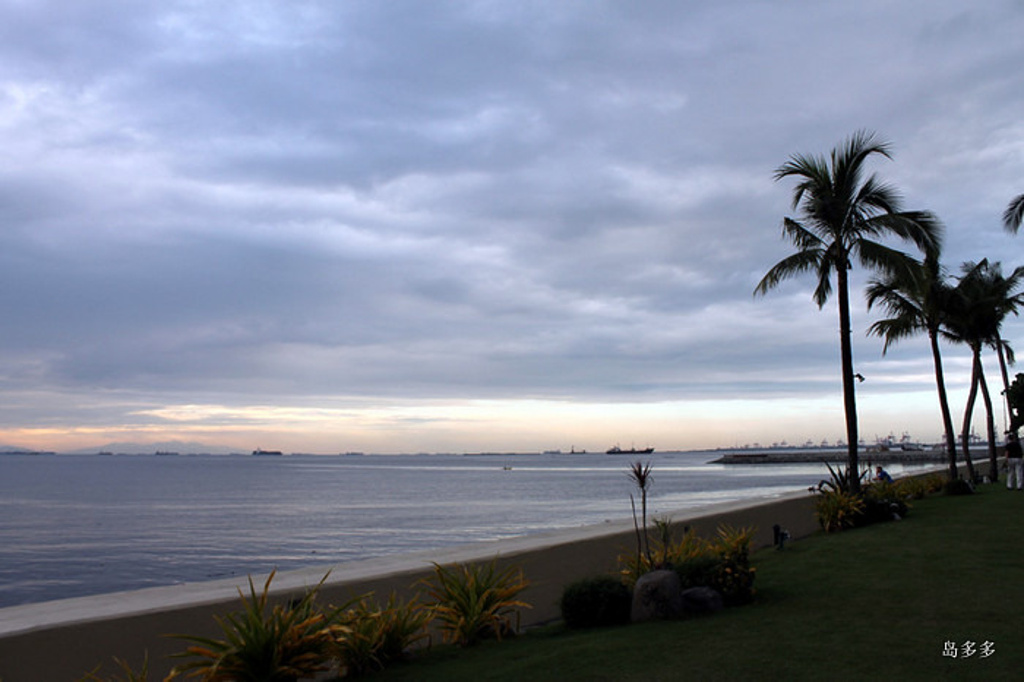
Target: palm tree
[1014,214]
[917,299]
[841,215]
[984,297]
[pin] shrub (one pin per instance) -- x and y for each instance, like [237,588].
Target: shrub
[405,625]
[734,578]
[369,636]
[698,571]
[667,553]
[722,563]
[474,602]
[959,486]
[935,483]
[883,501]
[837,509]
[596,602]
[129,673]
[286,643]
[911,487]
[840,480]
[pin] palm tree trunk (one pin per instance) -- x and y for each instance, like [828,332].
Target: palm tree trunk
[990,424]
[965,434]
[1002,363]
[947,418]
[1006,377]
[849,395]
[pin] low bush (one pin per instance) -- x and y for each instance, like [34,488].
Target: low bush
[887,501]
[666,552]
[596,602]
[911,487]
[130,675]
[280,643]
[838,509]
[935,483]
[959,486]
[370,636]
[735,576]
[698,571]
[722,562]
[474,602]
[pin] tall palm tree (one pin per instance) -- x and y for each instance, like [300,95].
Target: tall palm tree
[983,298]
[1006,302]
[841,215]
[1014,214]
[917,299]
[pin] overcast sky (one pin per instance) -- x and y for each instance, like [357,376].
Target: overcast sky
[461,226]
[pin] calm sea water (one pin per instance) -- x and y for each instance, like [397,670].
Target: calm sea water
[81,525]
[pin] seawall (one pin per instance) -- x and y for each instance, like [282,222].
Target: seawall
[63,640]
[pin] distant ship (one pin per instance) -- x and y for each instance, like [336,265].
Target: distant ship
[262,452]
[632,451]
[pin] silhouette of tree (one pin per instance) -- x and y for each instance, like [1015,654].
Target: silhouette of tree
[1014,214]
[982,299]
[917,299]
[841,216]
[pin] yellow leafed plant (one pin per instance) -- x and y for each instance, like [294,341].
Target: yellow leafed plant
[474,602]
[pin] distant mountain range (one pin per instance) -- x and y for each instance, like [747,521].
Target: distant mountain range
[15,448]
[178,446]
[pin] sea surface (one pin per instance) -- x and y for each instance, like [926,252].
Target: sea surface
[81,525]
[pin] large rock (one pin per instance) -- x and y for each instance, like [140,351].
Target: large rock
[701,600]
[657,595]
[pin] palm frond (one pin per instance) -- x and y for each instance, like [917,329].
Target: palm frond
[813,169]
[803,238]
[921,228]
[894,329]
[1014,214]
[824,289]
[848,161]
[885,259]
[875,196]
[794,264]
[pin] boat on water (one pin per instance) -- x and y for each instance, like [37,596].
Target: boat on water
[260,452]
[616,450]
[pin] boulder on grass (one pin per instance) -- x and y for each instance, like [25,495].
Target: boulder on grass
[657,595]
[700,600]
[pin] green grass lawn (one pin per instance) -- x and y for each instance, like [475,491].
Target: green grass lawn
[877,603]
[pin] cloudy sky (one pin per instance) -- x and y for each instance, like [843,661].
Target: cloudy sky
[456,226]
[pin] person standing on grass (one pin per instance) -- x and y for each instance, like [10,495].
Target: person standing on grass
[1014,461]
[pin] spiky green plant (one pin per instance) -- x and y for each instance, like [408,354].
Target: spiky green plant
[666,552]
[474,602]
[841,480]
[129,673]
[282,643]
[721,562]
[640,474]
[373,636]
[734,577]
[838,509]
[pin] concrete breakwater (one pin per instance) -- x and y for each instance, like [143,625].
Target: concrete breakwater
[832,456]
[64,639]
